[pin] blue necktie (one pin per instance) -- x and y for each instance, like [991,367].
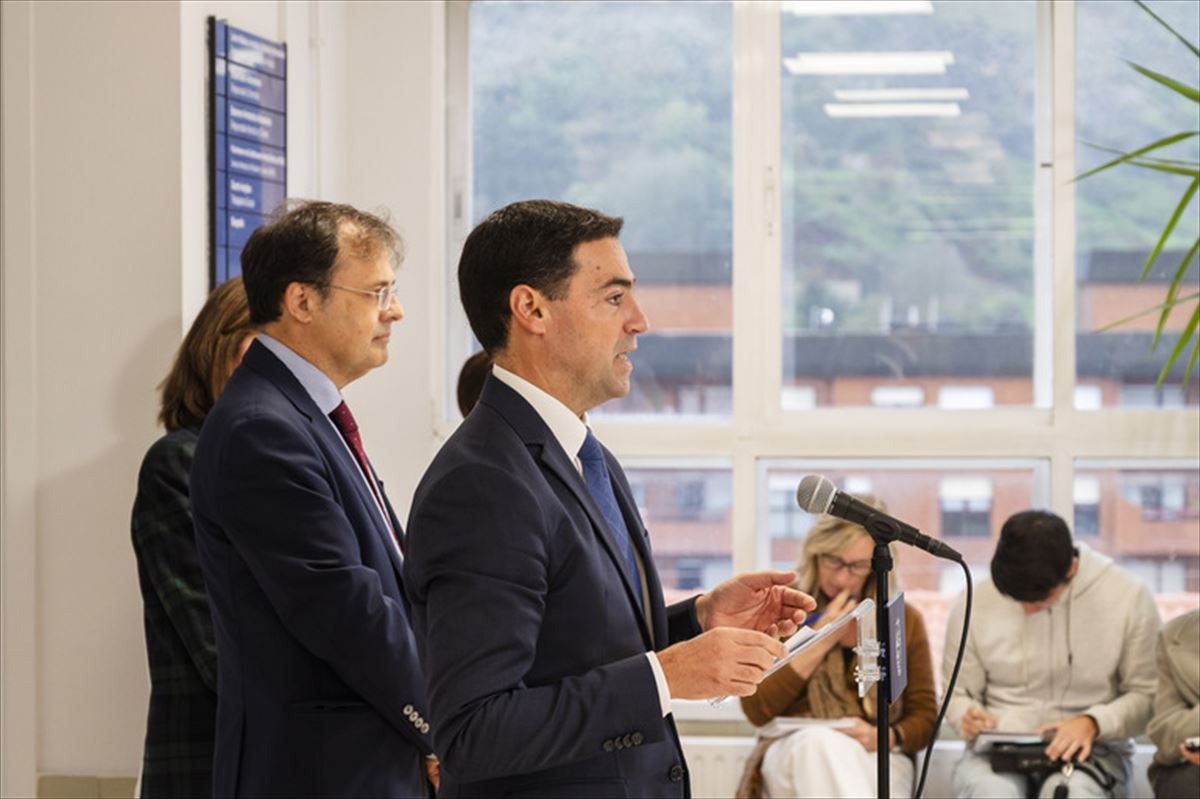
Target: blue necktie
[595,473]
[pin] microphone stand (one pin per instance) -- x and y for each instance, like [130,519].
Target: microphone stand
[881,563]
[884,530]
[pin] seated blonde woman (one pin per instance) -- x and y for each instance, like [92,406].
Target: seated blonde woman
[839,761]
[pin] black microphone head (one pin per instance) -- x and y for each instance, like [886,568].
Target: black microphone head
[815,493]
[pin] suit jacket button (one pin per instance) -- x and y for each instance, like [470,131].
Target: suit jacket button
[617,742]
[676,773]
[608,745]
[627,740]
[425,726]
[637,739]
[408,710]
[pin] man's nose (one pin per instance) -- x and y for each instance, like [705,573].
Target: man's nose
[394,312]
[638,323]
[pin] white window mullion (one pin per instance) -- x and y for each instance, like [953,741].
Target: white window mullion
[1062,324]
[458,210]
[756,253]
[1044,171]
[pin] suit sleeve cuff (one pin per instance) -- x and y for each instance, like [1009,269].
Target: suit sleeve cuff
[682,622]
[660,679]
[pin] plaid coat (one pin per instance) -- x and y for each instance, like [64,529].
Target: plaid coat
[180,644]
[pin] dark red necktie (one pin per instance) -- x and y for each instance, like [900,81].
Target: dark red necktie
[343,420]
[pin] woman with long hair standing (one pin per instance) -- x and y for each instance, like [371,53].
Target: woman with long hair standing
[180,645]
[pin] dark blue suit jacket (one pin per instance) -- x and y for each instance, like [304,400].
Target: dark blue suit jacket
[320,691]
[532,643]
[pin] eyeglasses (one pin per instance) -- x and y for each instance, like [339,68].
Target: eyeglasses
[383,295]
[859,568]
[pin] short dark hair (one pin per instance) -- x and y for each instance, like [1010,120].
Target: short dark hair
[1033,555]
[300,245]
[531,243]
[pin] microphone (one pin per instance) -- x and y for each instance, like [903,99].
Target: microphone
[818,494]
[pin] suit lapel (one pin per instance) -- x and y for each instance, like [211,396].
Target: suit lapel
[263,361]
[556,462]
[393,554]
[537,436]
[370,507]
[641,541]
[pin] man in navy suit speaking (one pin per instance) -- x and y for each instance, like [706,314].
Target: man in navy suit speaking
[550,657]
[320,691]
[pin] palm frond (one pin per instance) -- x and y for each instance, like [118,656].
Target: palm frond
[1164,142]
[1180,271]
[1184,337]
[1195,50]
[1190,92]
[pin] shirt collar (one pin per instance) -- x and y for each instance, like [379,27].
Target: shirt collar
[318,385]
[568,429]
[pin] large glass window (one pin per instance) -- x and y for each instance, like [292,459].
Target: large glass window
[907,153]
[1121,213]
[1147,515]
[883,182]
[943,500]
[624,107]
[961,502]
[686,509]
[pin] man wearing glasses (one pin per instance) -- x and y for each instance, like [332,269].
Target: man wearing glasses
[320,691]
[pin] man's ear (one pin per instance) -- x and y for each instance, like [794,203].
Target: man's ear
[300,300]
[529,309]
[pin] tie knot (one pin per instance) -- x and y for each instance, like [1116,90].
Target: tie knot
[590,451]
[343,419]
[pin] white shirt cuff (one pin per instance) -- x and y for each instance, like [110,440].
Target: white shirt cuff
[660,679]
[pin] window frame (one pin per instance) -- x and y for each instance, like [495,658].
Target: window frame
[1050,430]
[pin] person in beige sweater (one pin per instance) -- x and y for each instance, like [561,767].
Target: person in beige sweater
[839,761]
[1175,772]
[1061,643]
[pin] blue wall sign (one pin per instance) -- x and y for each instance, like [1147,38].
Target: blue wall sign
[247,137]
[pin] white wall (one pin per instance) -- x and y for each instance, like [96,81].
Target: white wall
[105,264]
[395,145]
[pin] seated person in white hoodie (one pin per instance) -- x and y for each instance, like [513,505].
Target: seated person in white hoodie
[1062,643]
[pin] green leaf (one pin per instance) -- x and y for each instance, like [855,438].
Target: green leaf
[1184,337]
[1173,161]
[1169,140]
[1175,281]
[1171,170]
[1182,88]
[1187,373]
[1148,311]
[1179,162]
[1176,34]
[1183,203]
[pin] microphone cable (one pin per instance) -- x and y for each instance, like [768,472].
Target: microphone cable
[962,645]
